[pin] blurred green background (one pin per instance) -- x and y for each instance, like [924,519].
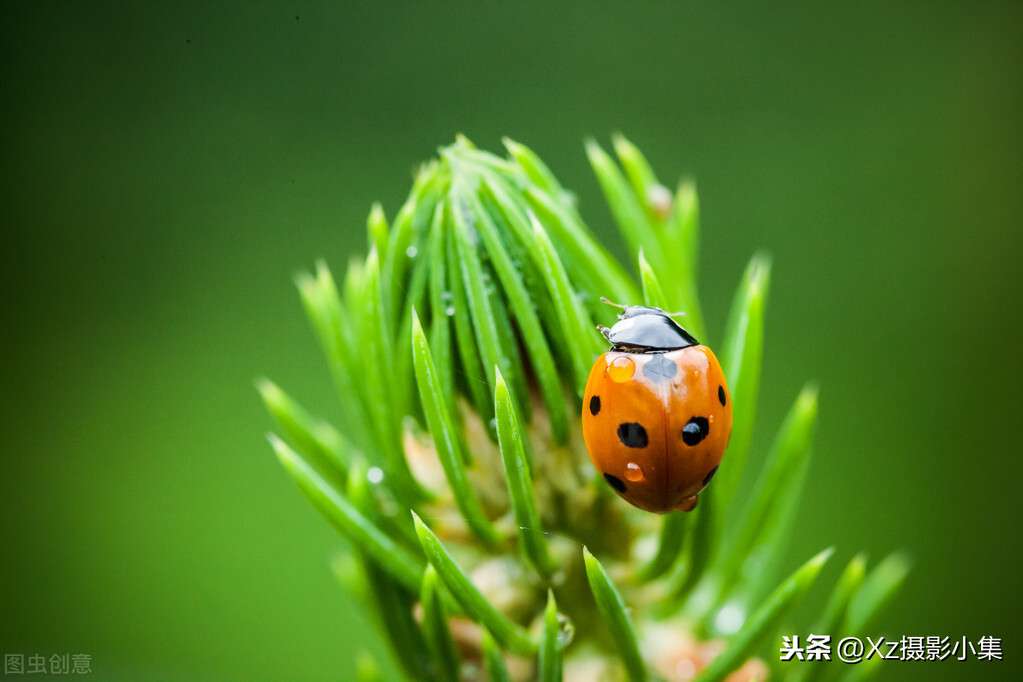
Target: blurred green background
[167,170]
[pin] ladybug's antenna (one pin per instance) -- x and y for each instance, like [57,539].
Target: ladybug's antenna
[606,301]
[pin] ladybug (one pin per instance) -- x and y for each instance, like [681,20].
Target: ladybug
[656,411]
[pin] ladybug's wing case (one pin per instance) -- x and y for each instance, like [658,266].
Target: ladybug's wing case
[656,425]
[699,421]
[624,419]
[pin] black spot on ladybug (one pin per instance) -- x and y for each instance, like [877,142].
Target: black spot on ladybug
[632,435]
[659,368]
[615,482]
[721,395]
[710,475]
[695,430]
[595,405]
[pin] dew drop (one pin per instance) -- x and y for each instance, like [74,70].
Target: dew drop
[730,618]
[634,472]
[621,369]
[450,311]
[412,252]
[375,475]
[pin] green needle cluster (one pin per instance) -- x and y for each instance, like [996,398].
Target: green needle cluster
[481,539]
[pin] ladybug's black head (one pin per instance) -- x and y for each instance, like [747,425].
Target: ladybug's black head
[644,329]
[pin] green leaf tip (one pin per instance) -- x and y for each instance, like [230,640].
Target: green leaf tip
[376,228]
[315,438]
[532,165]
[549,660]
[330,319]
[361,531]
[612,608]
[878,588]
[637,168]
[653,295]
[417,326]
[510,634]
[847,585]
[817,561]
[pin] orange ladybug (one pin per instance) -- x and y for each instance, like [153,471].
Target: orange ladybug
[656,411]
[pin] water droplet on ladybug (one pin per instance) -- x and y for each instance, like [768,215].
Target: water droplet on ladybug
[634,472]
[621,369]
